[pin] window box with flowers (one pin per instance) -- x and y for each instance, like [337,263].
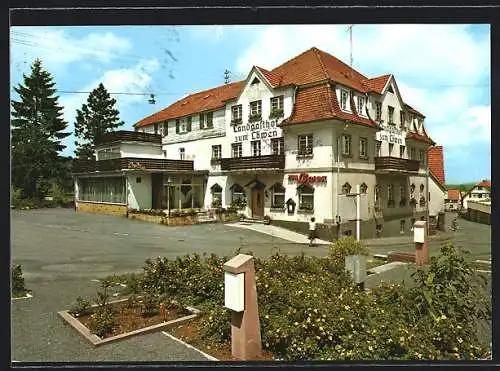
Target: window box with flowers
[255,117]
[306,208]
[276,114]
[402,203]
[216,203]
[413,202]
[278,208]
[390,203]
[215,161]
[235,122]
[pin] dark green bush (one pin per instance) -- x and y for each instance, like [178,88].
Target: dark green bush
[80,308]
[18,285]
[102,322]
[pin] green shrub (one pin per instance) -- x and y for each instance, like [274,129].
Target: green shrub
[18,285]
[345,246]
[16,195]
[102,322]
[216,323]
[80,308]
[149,305]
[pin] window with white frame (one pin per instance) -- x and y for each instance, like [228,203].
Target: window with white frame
[305,145]
[402,195]
[421,157]
[277,106]
[391,149]
[255,145]
[236,113]
[278,195]
[402,150]
[346,145]
[217,151]
[182,153]
[412,191]
[378,148]
[361,105]
[412,153]
[363,147]
[255,110]
[390,115]
[156,127]
[164,131]
[108,153]
[378,111]
[390,195]
[238,193]
[206,120]
[344,96]
[402,118]
[278,146]
[236,150]
[306,197]
[110,189]
[216,190]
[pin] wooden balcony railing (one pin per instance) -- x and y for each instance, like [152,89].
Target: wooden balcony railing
[124,135]
[253,162]
[85,166]
[396,164]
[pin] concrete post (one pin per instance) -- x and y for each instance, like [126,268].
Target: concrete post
[241,298]
[420,239]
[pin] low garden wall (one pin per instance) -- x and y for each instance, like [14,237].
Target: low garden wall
[102,208]
[158,217]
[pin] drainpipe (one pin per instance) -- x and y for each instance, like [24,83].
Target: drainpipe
[126,190]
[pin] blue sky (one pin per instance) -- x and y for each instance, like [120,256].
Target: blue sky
[441,70]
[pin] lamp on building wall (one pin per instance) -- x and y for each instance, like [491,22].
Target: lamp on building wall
[290,205]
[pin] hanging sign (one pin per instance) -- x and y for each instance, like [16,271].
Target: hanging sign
[306,178]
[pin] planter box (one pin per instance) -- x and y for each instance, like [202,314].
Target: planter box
[395,256]
[182,220]
[148,218]
[97,341]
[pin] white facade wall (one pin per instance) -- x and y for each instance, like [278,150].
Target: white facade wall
[476,195]
[139,195]
[139,149]
[436,198]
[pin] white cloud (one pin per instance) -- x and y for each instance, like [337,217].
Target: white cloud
[57,48]
[439,68]
[125,80]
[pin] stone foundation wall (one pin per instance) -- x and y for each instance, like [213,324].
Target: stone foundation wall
[102,208]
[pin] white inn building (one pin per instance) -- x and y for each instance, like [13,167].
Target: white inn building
[290,143]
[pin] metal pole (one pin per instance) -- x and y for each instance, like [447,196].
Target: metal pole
[358,212]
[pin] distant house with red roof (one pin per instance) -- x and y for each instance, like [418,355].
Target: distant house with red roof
[289,143]
[481,192]
[453,200]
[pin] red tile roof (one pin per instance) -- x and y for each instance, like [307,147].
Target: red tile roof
[420,137]
[376,84]
[484,183]
[413,110]
[310,67]
[454,194]
[436,162]
[198,102]
[319,102]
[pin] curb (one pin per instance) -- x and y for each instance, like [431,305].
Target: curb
[27,296]
[209,357]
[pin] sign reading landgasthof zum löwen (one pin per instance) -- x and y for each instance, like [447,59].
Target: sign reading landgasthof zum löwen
[257,130]
[391,134]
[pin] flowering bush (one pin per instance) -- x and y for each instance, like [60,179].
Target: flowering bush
[153,212]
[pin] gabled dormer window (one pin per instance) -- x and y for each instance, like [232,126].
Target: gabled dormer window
[344,96]
[276,107]
[255,111]
[390,89]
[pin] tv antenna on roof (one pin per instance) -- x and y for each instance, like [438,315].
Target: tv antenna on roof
[349,29]
[226,76]
[151,99]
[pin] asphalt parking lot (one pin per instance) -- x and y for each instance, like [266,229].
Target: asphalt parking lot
[62,251]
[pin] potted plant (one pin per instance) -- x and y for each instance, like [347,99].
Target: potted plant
[254,117]
[276,113]
[267,219]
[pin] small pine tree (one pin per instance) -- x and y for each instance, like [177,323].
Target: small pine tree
[37,132]
[96,117]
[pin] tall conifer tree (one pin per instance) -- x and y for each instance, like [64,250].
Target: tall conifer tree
[96,117]
[37,132]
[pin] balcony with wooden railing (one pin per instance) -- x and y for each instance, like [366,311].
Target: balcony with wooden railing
[137,163]
[388,164]
[129,136]
[253,162]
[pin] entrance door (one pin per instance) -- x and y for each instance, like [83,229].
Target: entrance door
[257,203]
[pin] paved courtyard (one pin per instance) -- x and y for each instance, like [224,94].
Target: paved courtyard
[61,252]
